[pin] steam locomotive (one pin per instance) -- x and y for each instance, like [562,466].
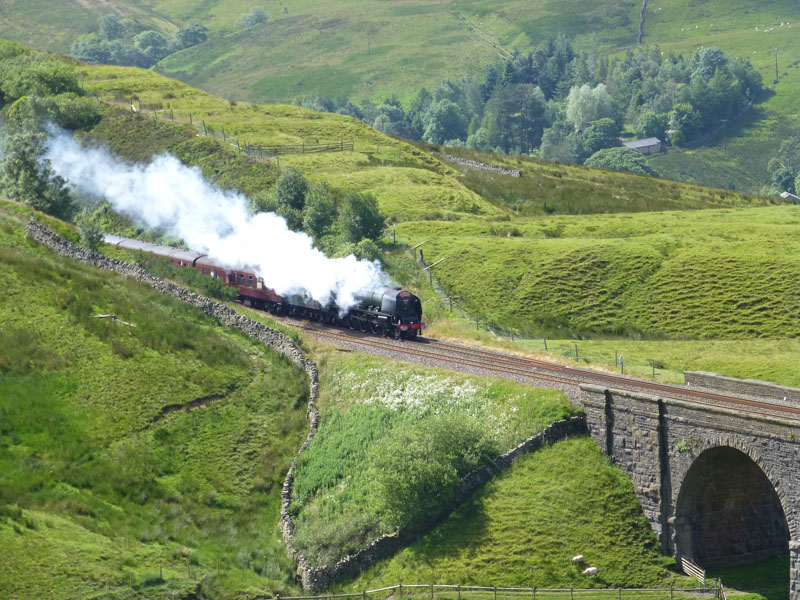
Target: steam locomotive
[381,311]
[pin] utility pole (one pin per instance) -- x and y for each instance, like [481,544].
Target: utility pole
[724,138]
[776,66]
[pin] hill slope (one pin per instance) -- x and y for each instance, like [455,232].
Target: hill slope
[142,453]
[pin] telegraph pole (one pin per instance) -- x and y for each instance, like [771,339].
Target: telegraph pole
[776,65]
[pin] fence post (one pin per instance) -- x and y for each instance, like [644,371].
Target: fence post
[205,131]
[400,586]
[545,344]
[495,592]
[431,591]
[512,334]
[190,119]
[458,588]
[576,351]
[670,591]
[171,114]
[363,594]
[224,139]
[571,594]
[534,593]
[619,593]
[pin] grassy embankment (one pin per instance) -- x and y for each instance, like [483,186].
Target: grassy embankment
[612,277]
[365,402]
[135,461]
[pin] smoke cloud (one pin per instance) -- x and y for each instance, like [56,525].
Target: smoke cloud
[168,195]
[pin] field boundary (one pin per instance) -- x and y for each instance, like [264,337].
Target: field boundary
[439,590]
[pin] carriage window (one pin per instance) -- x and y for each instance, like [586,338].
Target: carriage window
[231,277]
[241,279]
[260,283]
[249,281]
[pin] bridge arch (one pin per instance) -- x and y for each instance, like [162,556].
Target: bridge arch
[730,509]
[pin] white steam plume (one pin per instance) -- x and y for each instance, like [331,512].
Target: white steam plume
[176,198]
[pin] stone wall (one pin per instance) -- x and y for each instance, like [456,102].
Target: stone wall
[312,577]
[742,388]
[659,442]
[484,166]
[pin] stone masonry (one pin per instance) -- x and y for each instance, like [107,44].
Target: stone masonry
[720,487]
[742,388]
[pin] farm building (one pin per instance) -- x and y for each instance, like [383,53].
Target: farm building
[645,146]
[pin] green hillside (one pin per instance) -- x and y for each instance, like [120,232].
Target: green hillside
[143,456]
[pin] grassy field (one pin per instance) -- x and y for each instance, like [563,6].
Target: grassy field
[708,274]
[365,401]
[533,265]
[140,460]
[525,525]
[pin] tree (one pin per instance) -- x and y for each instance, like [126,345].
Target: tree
[152,44]
[603,133]
[620,159]
[91,49]
[291,189]
[190,36]
[444,121]
[360,218]
[255,17]
[320,210]
[36,75]
[649,124]
[783,180]
[707,61]
[684,118]
[27,177]
[111,28]
[91,234]
[586,104]
[515,117]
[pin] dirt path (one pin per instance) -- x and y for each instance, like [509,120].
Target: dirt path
[641,23]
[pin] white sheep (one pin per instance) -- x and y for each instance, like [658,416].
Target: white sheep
[577,559]
[590,572]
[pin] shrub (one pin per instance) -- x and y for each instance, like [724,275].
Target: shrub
[417,470]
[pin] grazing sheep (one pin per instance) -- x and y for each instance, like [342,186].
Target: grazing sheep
[590,571]
[577,559]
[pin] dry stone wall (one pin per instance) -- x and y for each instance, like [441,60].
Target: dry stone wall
[484,166]
[312,577]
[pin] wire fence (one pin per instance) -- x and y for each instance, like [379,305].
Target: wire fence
[459,592]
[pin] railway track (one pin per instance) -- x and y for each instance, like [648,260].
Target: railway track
[533,371]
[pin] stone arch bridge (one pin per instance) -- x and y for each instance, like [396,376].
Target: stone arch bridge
[719,486]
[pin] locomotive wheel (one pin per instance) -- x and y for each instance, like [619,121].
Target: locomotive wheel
[364,326]
[353,323]
[374,328]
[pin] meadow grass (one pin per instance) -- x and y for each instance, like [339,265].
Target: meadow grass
[364,400]
[136,461]
[523,527]
[708,274]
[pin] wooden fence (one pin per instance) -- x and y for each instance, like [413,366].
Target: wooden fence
[693,570]
[459,592]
